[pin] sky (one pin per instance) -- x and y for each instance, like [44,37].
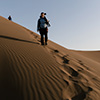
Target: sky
[75,24]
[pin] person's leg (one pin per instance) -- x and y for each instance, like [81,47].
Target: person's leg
[42,39]
[46,36]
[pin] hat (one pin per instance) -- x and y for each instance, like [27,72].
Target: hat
[43,13]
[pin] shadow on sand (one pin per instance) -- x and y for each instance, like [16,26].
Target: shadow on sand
[12,38]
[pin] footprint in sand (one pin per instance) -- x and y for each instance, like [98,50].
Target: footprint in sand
[65,60]
[56,51]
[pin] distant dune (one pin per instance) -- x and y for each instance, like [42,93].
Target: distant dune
[29,71]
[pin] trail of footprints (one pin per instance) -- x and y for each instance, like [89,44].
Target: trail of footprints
[73,75]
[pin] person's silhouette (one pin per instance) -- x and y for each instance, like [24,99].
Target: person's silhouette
[42,27]
[9,18]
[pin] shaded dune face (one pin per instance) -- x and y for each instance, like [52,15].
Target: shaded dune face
[29,71]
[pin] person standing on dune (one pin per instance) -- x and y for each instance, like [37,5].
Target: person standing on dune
[42,27]
[9,18]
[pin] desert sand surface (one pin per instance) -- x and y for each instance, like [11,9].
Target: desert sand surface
[29,71]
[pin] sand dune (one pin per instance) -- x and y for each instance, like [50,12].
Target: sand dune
[29,71]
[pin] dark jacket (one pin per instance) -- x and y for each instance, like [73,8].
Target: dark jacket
[44,22]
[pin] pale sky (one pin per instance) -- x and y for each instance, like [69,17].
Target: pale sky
[75,24]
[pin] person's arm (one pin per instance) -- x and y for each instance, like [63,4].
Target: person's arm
[47,22]
[38,25]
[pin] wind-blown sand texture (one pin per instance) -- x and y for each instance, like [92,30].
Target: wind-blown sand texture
[29,71]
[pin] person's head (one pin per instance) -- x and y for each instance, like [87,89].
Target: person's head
[9,16]
[43,14]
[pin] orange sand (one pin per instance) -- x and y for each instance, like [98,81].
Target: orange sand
[29,71]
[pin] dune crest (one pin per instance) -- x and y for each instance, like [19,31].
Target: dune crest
[29,71]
